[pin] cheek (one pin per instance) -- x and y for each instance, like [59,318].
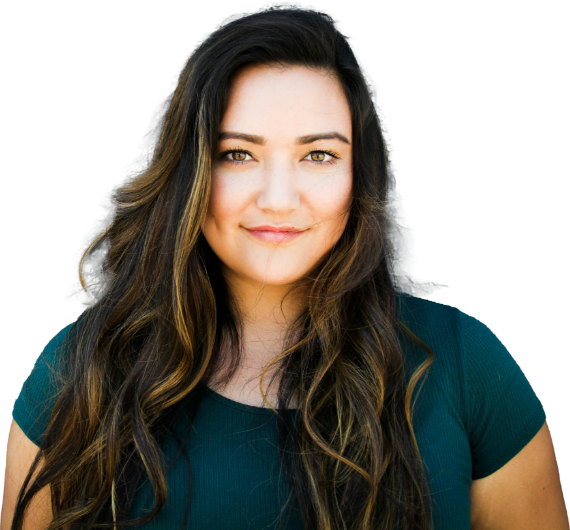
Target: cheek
[225,202]
[339,199]
[332,198]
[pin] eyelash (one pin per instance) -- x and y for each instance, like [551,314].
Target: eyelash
[335,157]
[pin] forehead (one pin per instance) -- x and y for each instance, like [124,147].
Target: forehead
[286,100]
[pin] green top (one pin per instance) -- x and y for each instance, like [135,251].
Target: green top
[475,412]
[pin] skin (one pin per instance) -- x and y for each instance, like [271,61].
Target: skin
[280,183]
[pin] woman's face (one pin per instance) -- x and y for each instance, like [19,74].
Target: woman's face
[271,167]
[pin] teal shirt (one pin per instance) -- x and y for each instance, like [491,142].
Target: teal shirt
[475,412]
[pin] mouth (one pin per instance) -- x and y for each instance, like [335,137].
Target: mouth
[272,236]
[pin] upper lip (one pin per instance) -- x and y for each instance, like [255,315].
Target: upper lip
[268,228]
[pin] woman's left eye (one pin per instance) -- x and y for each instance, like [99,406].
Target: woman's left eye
[318,159]
[321,157]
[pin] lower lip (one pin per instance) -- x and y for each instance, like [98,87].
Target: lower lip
[275,237]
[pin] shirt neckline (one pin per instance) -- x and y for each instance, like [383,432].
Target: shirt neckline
[240,406]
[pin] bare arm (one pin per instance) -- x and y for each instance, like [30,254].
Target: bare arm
[525,494]
[20,455]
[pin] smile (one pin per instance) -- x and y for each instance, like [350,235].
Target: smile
[270,236]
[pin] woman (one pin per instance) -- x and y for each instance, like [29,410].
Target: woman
[249,361]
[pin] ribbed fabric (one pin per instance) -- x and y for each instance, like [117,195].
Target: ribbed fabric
[475,411]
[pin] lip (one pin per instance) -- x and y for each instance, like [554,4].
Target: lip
[273,234]
[269,228]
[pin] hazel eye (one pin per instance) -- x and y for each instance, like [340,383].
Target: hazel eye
[321,154]
[240,156]
[237,156]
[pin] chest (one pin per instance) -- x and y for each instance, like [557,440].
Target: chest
[245,388]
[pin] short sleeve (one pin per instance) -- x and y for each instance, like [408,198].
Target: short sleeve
[504,413]
[33,407]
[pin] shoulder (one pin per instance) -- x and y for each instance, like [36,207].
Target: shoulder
[39,392]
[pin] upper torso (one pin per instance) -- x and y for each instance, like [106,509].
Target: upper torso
[475,411]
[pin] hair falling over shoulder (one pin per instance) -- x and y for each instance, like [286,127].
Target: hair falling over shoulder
[162,312]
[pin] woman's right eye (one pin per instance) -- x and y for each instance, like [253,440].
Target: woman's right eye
[237,156]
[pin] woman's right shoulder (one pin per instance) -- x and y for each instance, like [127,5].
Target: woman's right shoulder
[41,386]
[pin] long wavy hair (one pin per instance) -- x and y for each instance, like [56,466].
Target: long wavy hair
[162,312]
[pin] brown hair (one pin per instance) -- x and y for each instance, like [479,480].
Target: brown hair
[163,310]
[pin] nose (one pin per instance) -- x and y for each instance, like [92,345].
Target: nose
[279,189]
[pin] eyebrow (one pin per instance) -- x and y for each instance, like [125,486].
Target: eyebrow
[301,140]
